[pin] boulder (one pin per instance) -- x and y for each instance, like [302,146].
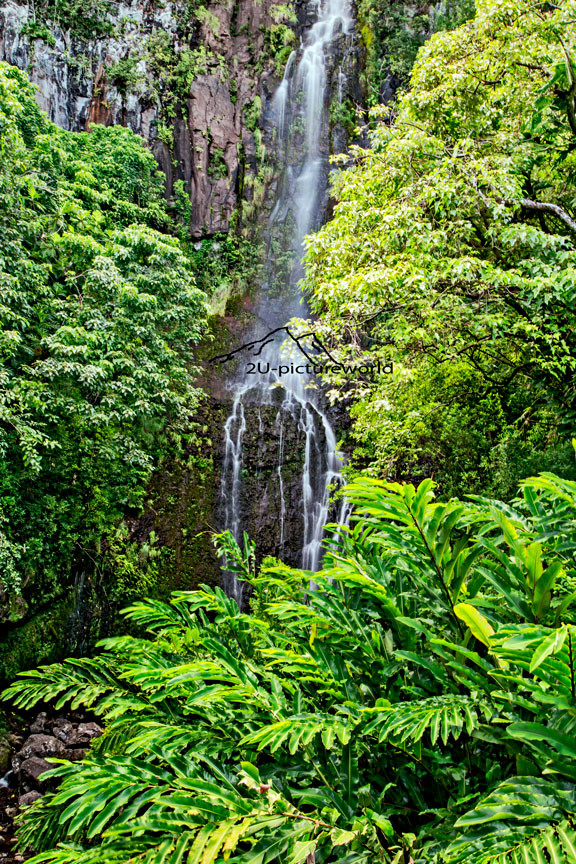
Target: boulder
[40,745]
[74,755]
[31,770]
[39,723]
[28,798]
[83,734]
[62,729]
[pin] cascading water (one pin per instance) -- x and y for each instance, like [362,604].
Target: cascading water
[234,430]
[301,119]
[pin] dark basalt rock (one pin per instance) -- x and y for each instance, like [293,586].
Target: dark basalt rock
[263,465]
[22,784]
[28,798]
[37,745]
[61,737]
[31,770]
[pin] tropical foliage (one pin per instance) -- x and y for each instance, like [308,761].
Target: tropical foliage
[415,705]
[452,253]
[415,701]
[98,313]
[392,34]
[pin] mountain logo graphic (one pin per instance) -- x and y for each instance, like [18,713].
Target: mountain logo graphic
[319,359]
[256,347]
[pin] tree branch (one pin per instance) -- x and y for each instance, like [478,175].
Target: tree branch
[557,211]
[539,206]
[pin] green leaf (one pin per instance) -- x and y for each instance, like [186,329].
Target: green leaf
[340,837]
[563,744]
[551,645]
[480,627]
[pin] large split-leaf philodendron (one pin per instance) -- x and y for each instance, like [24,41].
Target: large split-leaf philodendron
[418,706]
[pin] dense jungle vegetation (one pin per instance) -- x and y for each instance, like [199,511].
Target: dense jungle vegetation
[417,703]
[418,706]
[99,311]
[452,253]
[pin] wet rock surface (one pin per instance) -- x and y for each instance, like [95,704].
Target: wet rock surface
[272,493]
[208,129]
[26,760]
[202,129]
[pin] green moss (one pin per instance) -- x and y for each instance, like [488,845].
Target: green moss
[279,41]
[172,73]
[181,205]
[83,19]
[252,114]
[165,133]
[42,639]
[343,113]
[393,32]
[211,21]
[34,30]
[185,499]
[217,168]
[225,264]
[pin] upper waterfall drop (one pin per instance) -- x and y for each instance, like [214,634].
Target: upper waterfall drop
[334,18]
[292,399]
[302,95]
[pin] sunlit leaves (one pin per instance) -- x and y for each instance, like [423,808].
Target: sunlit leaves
[508,825]
[440,717]
[437,259]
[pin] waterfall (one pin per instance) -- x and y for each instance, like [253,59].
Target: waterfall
[231,481]
[334,19]
[300,116]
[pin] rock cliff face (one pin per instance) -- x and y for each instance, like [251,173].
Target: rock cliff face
[192,81]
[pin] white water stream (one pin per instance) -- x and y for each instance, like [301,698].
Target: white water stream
[302,124]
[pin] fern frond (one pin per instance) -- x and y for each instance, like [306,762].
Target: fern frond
[299,730]
[525,645]
[71,853]
[523,845]
[153,615]
[81,681]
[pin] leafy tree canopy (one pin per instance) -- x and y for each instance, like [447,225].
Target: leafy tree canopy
[452,246]
[98,312]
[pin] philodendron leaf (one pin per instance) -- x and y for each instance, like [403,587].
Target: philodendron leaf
[478,624]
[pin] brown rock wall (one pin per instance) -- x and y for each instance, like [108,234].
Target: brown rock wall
[78,85]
